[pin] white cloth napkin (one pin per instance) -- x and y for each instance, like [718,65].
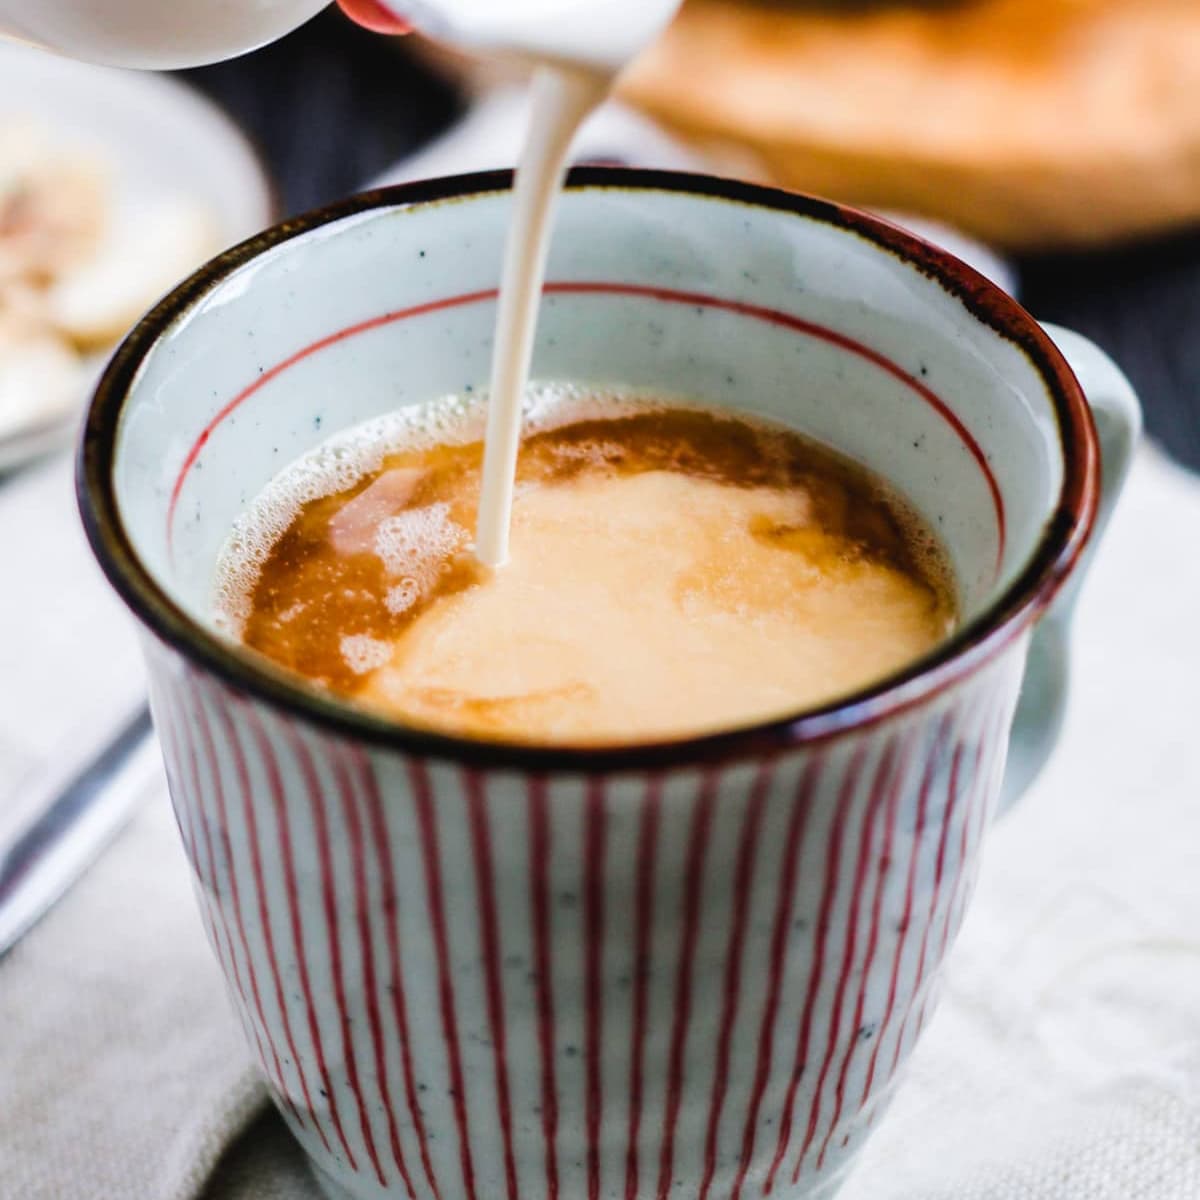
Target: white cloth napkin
[1063,1064]
[69,670]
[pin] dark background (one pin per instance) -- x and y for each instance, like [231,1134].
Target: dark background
[331,106]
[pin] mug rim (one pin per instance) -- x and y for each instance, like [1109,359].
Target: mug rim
[979,641]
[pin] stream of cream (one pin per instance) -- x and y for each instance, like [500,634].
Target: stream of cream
[562,100]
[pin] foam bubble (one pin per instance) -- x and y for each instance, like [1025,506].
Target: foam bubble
[415,543]
[346,458]
[332,469]
[363,653]
[402,596]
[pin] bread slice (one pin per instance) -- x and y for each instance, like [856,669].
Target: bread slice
[1028,122]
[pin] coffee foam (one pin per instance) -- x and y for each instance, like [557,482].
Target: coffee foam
[403,596]
[348,457]
[364,654]
[413,544]
[673,569]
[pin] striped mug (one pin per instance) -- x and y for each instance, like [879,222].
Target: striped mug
[694,968]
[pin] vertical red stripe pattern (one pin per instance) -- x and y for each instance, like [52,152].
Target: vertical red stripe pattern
[883,864]
[396,987]
[254,965]
[595,858]
[750,962]
[432,855]
[287,860]
[538,814]
[366,953]
[743,882]
[337,964]
[489,933]
[784,907]
[650,821]
[698,839]
[935,897]
[867,835]
[183,774]
[822,934]
[192,796]
[906,918]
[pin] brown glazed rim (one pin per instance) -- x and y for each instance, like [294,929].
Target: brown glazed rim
[976,644]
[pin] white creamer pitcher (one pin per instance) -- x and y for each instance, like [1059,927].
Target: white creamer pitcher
[601,34]
[153,33]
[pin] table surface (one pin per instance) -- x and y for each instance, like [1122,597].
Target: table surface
[331,106]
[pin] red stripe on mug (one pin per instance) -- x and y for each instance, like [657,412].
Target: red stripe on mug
[179,748]
[595,858]
[366,954]
[380,838]
[784,906]
[833,855]
[539,896]
[948,809]
[489,936]
[431,854]
[993,744]
[333,933]
[649,824]
[231,964]
[235,895]
[962,873]
[598,288]
[298,939]
[742,883]
[882,869]
[976,741]
[697,851]
[935,750]
[976,816]
[283,831]
[972,831]
[880,785]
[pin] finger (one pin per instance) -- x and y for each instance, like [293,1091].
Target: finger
[374,16]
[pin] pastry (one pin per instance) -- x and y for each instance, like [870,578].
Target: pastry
[1029,122]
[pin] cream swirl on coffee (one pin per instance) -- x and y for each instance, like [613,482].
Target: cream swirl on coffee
[674,571]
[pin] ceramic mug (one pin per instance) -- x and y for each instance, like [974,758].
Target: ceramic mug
[692,968]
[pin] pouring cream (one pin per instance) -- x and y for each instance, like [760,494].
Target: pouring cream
[578,47]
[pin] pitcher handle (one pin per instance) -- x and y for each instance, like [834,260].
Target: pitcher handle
[1043,701]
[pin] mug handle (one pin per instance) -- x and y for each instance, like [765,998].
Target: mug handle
[1043,700]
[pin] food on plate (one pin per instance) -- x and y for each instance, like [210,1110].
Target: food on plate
[1029,123]
[99,299]
[52,207]
[78,264]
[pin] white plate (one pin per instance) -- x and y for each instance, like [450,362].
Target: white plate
[160,138]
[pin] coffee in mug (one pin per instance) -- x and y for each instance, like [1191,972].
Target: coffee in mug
[674,570]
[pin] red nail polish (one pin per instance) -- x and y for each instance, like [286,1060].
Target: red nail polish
[374,16]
